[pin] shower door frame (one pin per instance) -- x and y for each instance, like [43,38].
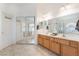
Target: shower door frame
[28,24]
[25,28]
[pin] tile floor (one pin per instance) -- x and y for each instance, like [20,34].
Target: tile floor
[25,50]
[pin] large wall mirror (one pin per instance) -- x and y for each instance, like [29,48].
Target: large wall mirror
[65,24]
[42,25]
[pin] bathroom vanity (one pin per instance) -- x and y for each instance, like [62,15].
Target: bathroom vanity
[65,40]
[64,46]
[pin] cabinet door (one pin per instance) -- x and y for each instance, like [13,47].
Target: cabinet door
[68,50]
[40,40]
[78,48]
[78,51]
[46,43]
[55,47]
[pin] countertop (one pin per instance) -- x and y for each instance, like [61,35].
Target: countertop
[72,37]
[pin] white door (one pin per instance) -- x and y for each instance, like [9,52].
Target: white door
[18,31]
[7,33]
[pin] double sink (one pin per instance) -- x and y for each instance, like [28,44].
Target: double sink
[74,37]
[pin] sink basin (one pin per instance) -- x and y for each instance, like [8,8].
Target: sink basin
[54,34]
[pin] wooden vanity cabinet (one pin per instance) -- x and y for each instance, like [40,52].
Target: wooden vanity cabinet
[54,46]
[59,45]
[68,50]
[44,41]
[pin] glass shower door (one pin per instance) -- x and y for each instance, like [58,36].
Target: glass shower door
[30,33]
[29,30]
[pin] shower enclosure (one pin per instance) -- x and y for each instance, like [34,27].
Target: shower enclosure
[27,30]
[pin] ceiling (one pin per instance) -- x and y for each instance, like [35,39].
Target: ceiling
[35,8]
[40,10]
[49,7]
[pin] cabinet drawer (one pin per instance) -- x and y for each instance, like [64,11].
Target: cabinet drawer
[45,37]
[56,40]
[64,41]
[73,44]
[52,39]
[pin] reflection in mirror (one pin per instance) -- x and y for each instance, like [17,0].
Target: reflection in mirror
[65,24]
[77,26]
[47,27]
[37,27]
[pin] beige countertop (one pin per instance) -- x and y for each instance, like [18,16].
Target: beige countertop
[72,37]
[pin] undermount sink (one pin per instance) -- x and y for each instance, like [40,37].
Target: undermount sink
[69,35]
[54,34]
[57,34]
